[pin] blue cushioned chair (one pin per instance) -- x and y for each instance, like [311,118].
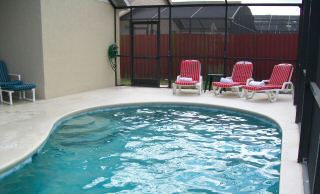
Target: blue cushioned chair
[5,77]
[9,86]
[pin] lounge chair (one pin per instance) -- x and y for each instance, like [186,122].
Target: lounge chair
[190,76]
[6,78]
[280,81]
[9,86]
[241,75]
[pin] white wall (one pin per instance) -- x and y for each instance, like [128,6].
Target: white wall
[76,35]
[61,45]
[21,40]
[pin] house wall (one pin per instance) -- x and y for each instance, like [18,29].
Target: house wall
[21,40]
[76,35]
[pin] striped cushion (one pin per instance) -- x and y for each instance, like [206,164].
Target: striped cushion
[20,87]
[227,85]
[187,83]
[190,68]
[281,73]
[259,88]
[4,77]
[242,71]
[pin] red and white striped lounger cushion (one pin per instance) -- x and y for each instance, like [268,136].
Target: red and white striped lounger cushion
[259,88]
[242,71]
[191,69]
[184,83]
[281,73]
[227,84]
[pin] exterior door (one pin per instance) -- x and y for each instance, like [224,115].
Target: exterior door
[145,54]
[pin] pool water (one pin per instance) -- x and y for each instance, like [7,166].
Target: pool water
[155,149]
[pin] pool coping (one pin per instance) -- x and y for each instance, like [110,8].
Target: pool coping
[19,162]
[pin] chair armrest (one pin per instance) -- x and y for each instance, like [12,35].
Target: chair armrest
[16,76]
[228,77]
[249,80]
[266,81]
[178,77]
[287,86]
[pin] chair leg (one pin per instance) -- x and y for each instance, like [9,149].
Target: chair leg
[198,86]
[249,95]
[216,90]
[9,92]
[277,94]
[33,99]
[10,98]
[273,95]
[33,95]
[1,98]
[270,96]
[241,93]
[174,88]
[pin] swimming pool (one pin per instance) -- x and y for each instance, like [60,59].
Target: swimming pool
[152,148]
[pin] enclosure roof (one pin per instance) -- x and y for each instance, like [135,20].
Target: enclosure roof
[147,2]
[235,1]
[119,3]
[196,2]
[276,23]
[128,3]
[183,12]
[137,3]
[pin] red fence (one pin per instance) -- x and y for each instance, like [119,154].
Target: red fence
[264,50]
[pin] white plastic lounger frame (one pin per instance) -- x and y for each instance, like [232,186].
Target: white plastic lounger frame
[22,96]
[273,93]
[240,67]
[195,71]
[235,89]
[197,86]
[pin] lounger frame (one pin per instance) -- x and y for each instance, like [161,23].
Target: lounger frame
[197,86]
[235,89]
[272,93]
[22,95]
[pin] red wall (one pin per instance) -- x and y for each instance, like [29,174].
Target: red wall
[278,48]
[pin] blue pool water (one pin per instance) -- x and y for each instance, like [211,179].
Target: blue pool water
[155,149]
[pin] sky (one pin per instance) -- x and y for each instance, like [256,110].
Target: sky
[246,1]
[263,10]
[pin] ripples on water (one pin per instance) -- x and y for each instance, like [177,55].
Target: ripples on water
[155,149]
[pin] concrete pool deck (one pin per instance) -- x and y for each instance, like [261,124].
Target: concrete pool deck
[25,126]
